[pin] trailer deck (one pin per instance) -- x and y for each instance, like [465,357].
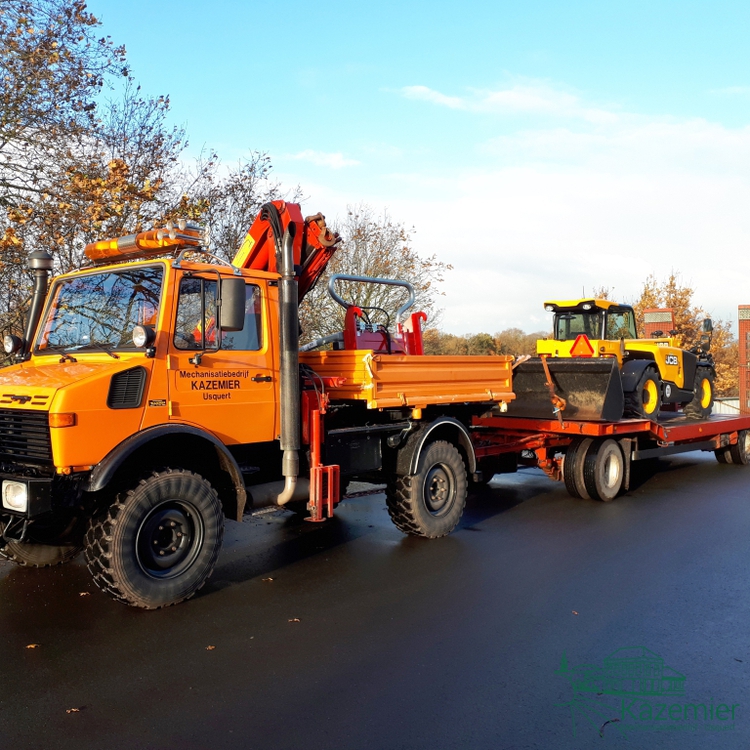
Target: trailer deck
[593,458]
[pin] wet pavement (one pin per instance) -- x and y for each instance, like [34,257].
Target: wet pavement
[351,635]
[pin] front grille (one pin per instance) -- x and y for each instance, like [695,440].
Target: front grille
[24,436]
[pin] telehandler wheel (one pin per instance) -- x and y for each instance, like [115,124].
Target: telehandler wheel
[645,400]
[51,542]
[157,544]
[430,502]
[740,453]
[703,394]
[603,470]
[575,456]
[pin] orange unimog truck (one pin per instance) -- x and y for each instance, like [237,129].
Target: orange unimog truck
[159,389]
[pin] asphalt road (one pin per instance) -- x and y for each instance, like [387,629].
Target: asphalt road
[351,635]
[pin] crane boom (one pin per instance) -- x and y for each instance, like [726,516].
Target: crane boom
[313,243]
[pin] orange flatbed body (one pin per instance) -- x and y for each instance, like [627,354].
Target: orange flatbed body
[385,381]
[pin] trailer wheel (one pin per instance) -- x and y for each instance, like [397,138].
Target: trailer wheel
[740,453]
[157,544]
[645,400]
[49,543]
[430,502]
[723,455]
[603,470]
[703,394]
[575,457]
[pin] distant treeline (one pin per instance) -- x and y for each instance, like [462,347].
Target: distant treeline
[510,341]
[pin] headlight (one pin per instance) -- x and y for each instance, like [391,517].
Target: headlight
[11,344]
[15,496]
[143,336]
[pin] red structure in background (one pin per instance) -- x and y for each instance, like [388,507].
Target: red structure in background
[658,319]
[743,335]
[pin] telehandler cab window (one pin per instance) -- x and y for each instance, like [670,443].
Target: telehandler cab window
[100,310]
[569,325]
[196,318]
[620,325]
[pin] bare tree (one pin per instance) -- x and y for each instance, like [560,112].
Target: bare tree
[375,246]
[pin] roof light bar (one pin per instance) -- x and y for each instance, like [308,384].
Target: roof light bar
[153,242]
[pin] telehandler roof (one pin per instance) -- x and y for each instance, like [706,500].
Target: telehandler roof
[579,304]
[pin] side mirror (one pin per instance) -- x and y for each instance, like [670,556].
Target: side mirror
[708,325]
[657,334]
[232,316]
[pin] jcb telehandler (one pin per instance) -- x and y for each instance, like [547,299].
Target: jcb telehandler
[595,367]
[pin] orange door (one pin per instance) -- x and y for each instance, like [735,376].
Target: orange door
[224,383]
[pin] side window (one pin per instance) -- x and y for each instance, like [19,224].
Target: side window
[620,325]
[250,338]
[196,315]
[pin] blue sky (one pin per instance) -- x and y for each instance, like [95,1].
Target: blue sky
[541,148]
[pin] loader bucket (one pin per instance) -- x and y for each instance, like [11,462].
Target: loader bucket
[592,389]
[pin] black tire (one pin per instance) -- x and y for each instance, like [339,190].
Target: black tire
[430,502]
[723,455]
[157,544]
[49,542]
[575,457]
[703,394]
[604,470]
[740,453]
[645,400]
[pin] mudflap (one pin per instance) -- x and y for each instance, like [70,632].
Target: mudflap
[592,389]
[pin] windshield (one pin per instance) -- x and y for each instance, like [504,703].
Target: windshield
[100,310]
[569,325]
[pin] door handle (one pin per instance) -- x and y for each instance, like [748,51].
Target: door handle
[261,378]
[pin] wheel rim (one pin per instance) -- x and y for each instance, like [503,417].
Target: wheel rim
[169,539]
[705,393]
[611,472]
[649,396]
[744,442]
[439,490]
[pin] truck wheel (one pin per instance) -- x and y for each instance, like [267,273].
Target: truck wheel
[430,502]
[703,394]
[740,452]
[603,470]
[573,467]
[645,400]
[48,543]
[723,455]
[157,544]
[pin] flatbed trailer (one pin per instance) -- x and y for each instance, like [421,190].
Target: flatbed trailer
[594,458]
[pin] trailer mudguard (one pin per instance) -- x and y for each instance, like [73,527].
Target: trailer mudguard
[106,469]
[443,428]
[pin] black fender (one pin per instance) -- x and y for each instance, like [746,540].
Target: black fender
[106,469]
[443,428]
[631,373]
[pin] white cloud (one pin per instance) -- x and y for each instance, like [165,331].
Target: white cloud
[732,90]
[335,160]
[536,98]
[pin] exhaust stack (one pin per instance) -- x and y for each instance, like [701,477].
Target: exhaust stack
[289,390]
[40,262]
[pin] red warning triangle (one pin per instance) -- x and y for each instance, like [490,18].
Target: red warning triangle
[582,347]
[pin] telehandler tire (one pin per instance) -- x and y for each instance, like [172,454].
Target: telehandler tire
[645,400]
[703,394]
[430,502]
[157,544]
[575,456]
[48,543]
[604,470]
